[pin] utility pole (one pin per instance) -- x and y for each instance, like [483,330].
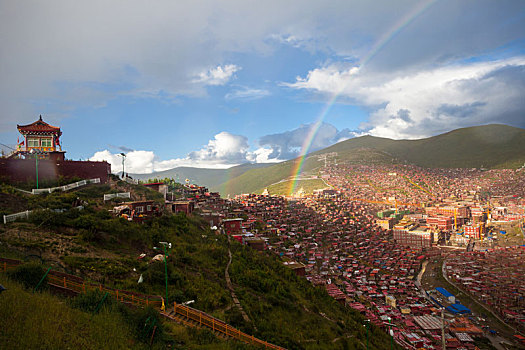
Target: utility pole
[123,159]
[443,328]
[166,246]
[366,325]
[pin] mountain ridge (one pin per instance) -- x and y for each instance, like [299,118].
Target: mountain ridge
[485,146]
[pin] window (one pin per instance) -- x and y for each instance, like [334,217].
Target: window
[140,209]
[149,208]
[33,143]
[46,142]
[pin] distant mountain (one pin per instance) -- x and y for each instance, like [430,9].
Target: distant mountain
[202,176]
[489,146]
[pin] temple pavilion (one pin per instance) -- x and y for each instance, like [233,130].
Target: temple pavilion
[40,140]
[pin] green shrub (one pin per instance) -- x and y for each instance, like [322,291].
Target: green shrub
[90,300]
[144,322]
[29,275]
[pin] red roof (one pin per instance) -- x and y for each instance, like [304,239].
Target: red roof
[39,126]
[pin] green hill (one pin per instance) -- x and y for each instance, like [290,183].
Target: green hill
[489,146]
[202,176]
[256,180]
[283,308]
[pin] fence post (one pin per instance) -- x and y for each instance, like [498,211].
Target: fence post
[5,264]
[5,220]
[213,324]
[65,286]
[42,280]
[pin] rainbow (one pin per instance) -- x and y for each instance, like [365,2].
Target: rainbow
[404,22]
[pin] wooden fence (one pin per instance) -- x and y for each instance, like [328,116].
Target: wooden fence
[77,285]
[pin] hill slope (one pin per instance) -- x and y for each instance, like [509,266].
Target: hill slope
[489,146]
[202,176]
[284,309]
[256,180]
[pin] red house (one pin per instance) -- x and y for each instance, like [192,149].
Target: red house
[232,226]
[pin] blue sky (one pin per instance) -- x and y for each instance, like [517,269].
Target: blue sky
[214,84]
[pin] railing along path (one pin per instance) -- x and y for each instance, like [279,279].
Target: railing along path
[78,285]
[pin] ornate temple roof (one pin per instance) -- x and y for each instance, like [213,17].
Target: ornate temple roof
[39,127]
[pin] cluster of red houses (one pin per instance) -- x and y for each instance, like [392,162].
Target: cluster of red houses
[496,277]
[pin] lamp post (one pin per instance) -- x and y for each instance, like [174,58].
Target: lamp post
[366,326]
[123,155]
[36,165]
[391,333]
[166,246]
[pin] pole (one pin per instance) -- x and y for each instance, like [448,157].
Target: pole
[36,167]
[101,302]
[42,280]
[166,271]
[443,328]
[391,334]
[366,325]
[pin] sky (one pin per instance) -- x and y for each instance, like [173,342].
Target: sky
[219,83]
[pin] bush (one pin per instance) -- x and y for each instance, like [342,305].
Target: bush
[202,336]
[29,275]
[144,322]
[90,300]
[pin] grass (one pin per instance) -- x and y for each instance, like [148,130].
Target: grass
[253,180]
[283,188]
[43,321]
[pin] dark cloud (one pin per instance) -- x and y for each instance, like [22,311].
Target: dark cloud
[125,149]
[460,111]
[404,114]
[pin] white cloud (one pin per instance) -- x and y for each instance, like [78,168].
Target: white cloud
[225,147]
[262,155]
[247,94]
[218,75]
[427,102]
[152,49]
[223,151]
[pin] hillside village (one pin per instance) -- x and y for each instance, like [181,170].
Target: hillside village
[415,253]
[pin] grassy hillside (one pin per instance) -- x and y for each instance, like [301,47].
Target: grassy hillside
[27,324]
[256,179]
[308,186]
[283,308]
[204,177]
[489,146]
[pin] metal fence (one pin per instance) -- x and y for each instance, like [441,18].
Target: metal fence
[66,187]
[25,214]
[13,217]
[117,195]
